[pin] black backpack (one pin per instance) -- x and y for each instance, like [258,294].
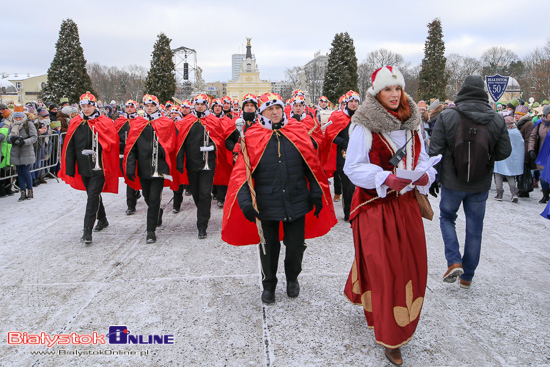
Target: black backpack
[472,150]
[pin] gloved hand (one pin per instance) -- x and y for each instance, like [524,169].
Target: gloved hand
[532,154]
[396,183]
[19,141]
[131,177]
[250,213]
[318,204]
[434,189]
[13,138]
[422,181]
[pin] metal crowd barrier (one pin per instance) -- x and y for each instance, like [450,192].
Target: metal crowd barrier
[48,155]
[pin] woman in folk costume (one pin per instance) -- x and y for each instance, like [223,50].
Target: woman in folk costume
[149,160]
[388,276]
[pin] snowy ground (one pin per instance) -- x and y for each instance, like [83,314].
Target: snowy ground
[207,293]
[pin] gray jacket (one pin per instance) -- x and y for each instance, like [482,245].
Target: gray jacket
[25,154]
[443,141]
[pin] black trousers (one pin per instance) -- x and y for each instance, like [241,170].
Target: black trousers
[152,193]
[221,192]
[294,235]
[347,189]
[178,197]
[131,197]
[337,184]
[200,185]
[94,204]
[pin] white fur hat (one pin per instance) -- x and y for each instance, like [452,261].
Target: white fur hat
[384,77]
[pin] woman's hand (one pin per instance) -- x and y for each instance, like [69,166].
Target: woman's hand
[396,183]
[422,181]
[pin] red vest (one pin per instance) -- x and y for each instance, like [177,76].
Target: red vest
[380,154]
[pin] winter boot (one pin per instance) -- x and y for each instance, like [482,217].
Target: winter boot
[2,190]
[151,237]
[87,236]
[514,192]
[41,178]
[159,222]
[545,196]
[30,194]
[23,196]
[101,224]
[500,192]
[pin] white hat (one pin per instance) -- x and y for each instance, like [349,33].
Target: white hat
[384,77]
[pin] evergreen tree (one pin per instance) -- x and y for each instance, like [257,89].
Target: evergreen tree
[67,75]
[341,75]
[161,79]
[433,77]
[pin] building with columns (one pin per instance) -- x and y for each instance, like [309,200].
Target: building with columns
[249,78]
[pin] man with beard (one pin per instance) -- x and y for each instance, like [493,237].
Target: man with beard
[278,179]
[198,146]
[122,125]
[337,133]
[148,159]
[89,161]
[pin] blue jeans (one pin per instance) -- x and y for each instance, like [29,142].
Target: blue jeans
[24,177]
[474,208]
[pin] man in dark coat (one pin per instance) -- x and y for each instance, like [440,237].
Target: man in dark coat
[473,103]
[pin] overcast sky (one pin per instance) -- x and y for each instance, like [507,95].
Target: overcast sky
[284,33]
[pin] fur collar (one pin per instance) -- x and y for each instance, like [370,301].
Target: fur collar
[372,115]
[93,116]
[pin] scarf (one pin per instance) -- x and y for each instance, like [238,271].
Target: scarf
[93,116]
[268,124]
[155,115]
[130,116]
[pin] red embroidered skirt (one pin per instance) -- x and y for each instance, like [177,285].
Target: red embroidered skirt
[388,276]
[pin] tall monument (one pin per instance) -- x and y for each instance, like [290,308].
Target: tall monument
[249,78]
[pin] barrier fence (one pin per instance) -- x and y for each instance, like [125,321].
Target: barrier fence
[47,151]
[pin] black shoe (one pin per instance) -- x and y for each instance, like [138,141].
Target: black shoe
[101,224]
[35,182]
[293,288]
[268,297]
[130,211]
[138,195]
[202,234]
[9,191]
[220,204]
[159,223]
[187,193]
[176,210]
[87,236]
[151,237]
[23,196]
[42,180]
[545,196]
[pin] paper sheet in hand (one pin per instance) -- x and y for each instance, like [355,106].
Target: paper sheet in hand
[415,175]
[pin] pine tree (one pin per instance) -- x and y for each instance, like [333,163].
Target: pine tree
[433,77]
[161,79]
[67,75]
[341,75]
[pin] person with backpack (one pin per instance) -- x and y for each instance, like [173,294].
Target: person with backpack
[471,137]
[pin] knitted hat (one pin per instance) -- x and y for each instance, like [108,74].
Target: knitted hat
[18,111]
[86,98]
[44,112]
[434,105]
[267,100]
[546,111]
[510,105]
[473,88]
[422,104]
[53,105]
[384,77]
[522,110]
[66,110]
[3,106]
[250,98]
[148,98]
[113,102]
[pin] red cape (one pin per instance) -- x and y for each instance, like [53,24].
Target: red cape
[166,132]
[238,231]
[215,128]
[108,139]
[328,155]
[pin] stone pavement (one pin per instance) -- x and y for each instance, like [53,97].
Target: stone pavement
[207,293]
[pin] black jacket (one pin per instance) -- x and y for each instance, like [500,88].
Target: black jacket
[190,151]
[443,141]
[81,140]
[341,140]
[141,155]
[281,183]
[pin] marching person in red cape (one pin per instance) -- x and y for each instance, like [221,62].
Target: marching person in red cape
[335,145]
[200,158]
[227,107]
[388,276]
[176,115]
[298,113]
[226,124]
[288,183]
[236,107]
[322,106]
[90,161]
[122,125]
[149,160]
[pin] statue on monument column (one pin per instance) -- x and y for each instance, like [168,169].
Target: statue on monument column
[200,86]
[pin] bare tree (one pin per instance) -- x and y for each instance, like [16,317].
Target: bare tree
[412,80]
[537,76]
[458,67]
[315,76]
[293,75]
[375,60]
[112,83]
[498,60]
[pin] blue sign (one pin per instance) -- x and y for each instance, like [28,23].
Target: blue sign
[496,86]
